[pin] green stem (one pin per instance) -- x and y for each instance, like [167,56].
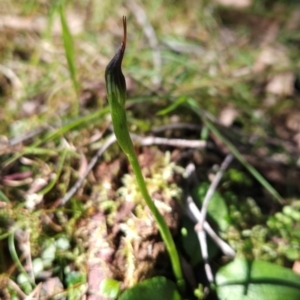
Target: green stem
[15,257]
[162,226]
[122,134]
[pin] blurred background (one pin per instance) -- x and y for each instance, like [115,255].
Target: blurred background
[238,60]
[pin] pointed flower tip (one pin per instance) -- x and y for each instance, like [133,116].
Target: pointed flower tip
[115,80]
[124,33]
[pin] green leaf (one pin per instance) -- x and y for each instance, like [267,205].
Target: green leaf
[217,208]
[74,278]
[172,107]
[158,288]
[3,197]
[253,280]
[110,288]
[239,177]
[190,243]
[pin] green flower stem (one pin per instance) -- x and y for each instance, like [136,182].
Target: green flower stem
[116,94]
[160,221]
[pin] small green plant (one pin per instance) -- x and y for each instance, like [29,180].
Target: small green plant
[285,229]
[116,93]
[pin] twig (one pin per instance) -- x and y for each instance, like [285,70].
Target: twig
[203,245]
[151,140]
[195,212]
[200,225]
[213,187]
[203,226]
[225,248]
[16,288]
[90,166]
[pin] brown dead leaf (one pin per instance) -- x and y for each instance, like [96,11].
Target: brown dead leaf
[293,122]
[124,210]
[287,126]
[39,23]
[281,84]
[110,174]
[296,267]
[34,106]
[297,140]
[18,176]
[228,115]
[83,165]
[263,30]
[235,3]
[51,287]
[294,20]
[147,157]
[270,56]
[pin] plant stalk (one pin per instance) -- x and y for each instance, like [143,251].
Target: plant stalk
[116,94]
[160,221]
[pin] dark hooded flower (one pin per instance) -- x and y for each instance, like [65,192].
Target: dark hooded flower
[115,80]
